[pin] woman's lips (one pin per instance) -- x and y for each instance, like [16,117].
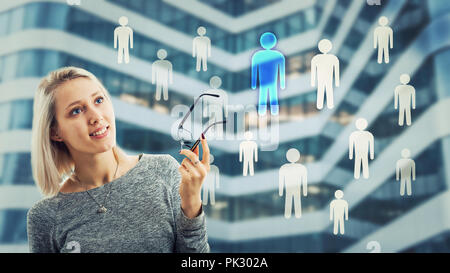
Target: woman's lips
[102,135]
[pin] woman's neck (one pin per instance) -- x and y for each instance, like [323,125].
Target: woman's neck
[95,170]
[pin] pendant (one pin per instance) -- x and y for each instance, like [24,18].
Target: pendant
[101,210]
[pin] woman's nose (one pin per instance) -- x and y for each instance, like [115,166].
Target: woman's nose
[94,121]
[95,116]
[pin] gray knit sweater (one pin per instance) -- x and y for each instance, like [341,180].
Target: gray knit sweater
[143,215]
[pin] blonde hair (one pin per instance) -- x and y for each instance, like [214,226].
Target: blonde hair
[51,161]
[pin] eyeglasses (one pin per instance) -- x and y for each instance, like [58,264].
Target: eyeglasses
[185,136]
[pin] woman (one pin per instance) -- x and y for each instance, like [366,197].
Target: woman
[110,201]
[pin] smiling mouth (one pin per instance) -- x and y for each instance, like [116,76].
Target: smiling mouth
[100,132]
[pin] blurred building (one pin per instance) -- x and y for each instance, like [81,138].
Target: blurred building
[39,36]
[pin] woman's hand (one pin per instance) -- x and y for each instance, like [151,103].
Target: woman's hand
[193,173]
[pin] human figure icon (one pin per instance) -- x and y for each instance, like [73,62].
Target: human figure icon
[215,108]
[404,99]
[405,171]
[363,142]
[338,212]
[201,49]
[74,2]
[374,246]
[383,39]
[267,64]
[248,148]
[74,246]
[162,74]
[123,40]
[322,67]
[293,176]
[374,2]
[211,182]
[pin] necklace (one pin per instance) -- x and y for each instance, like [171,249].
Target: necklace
[102,208]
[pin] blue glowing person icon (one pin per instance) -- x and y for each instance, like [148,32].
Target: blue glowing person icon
[266,65]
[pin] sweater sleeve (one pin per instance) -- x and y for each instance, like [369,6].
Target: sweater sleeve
[40,228]
[191,234]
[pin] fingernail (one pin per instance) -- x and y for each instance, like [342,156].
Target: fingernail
[203,136]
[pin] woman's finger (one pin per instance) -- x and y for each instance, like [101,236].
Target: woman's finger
[183,171]
[199,166]
[205,148]
[192,169]
[190,154]
[184,161]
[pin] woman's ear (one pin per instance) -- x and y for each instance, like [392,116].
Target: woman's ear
[54,135]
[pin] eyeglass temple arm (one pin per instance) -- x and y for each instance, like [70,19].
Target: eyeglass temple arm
[193,105]
[215,123]
[204,131]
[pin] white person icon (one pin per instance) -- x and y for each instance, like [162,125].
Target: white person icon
[374,246]
[383,38]
[374,2]
[73,2]
[338,212]
[293,175]
[162,74]
[123,38]
[405,170]
[404,98]
[212,180]
[74,247]
[201,49]
[215,107]
[248,147]
[363,142]
[322,68]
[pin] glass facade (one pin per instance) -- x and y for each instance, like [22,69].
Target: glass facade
[37,63]
[265,204]
[369,78]
[386,205]
[311,243]
[13,226]
[74,21]
[382,207]
[15,169]
[184,22]
[17,115]
[437,244]
[238,7]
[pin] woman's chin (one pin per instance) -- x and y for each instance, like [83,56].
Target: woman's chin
[101,148]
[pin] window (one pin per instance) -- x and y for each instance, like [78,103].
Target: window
[57,16]
[13,228]
[11,62]
[17,19]
[2,62]
[5,111]
[294,23]
[50,62]
[4,23]
[21,114]
[310,18]
[28,64]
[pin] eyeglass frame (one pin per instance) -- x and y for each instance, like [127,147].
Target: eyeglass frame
[180,127]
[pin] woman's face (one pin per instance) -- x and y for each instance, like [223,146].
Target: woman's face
[81,109]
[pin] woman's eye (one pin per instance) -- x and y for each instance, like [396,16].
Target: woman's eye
[74,111]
